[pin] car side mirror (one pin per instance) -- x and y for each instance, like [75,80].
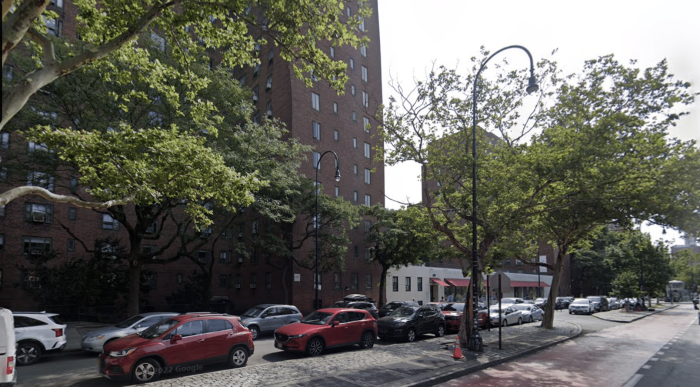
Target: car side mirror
[175,339]
[335,323]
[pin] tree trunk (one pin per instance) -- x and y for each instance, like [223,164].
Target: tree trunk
[132,302]
[465,328]
[382,286]
[548,319]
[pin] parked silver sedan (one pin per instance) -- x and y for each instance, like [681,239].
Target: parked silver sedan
[530,312]
[95,340]
[508,316]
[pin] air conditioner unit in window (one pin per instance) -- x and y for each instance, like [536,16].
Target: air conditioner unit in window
[252,286]
[269,113]
[255,98]
[38,217]
[37,252]
[238,286]
[268,85]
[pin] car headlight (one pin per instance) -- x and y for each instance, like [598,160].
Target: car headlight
[122,353]
[297,336]
[93,338]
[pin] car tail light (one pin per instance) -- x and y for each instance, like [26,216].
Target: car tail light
[59,332]
[10,365]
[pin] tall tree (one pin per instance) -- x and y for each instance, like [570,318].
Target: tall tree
[400,238]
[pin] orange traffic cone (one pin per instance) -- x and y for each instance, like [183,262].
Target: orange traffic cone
[457,353]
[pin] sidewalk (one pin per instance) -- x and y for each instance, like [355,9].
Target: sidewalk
[621,316]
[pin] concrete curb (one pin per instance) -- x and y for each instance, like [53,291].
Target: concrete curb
[635,318]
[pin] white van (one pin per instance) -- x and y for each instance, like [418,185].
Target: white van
[8,374]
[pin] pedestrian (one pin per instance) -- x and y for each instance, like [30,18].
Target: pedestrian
[442,299]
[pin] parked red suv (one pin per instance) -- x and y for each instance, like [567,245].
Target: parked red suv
[181,343]
[453,316]
[326,328]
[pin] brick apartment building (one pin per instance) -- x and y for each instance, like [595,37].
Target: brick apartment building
[317,116]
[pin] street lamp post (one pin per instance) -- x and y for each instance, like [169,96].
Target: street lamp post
[475,341]
[317,224]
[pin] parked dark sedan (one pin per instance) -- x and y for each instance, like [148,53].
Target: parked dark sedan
[392,306]
[407,322]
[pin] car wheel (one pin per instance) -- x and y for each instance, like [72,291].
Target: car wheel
[238,357]
[520,321]
[411,335]
[440,331]
[504,323]
[146,370]
[254,330]
[28,354]
[367,340]
[570,312]
[530,319]
[314,347]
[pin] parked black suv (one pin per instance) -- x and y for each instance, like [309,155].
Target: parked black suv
[392,306]
[364,305]
[408,322]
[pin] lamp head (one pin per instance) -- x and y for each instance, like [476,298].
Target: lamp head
[532,85]
[337,174]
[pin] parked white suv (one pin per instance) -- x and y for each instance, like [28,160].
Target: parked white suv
[8,373]
[36,333]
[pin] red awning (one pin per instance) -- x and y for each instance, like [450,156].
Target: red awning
[458,281]
[439,282]
[527,284]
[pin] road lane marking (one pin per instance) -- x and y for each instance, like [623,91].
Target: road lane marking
[633,380]
[646,367]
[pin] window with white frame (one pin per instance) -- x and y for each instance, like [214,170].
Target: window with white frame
[368,281]
[316,130]
[33,147]
[363,50]
[347,10]
[256,70]
[58,3]
[315,101]
[335,134]
[335,107]
[332,52]
[352,64]
[354,169]
[365,99]
[41,179]
[256,94]
[36,245]
[109,223]
[354,142]
[354,281]
[354,116]
[268,83]
[365,124]
[38,213]
[364,74]
[361,26]
[268,108]
[367,150]
[337,191]
[317,156]
[408,284]
[352,90]
[54,26]
[224,257]
[368,200]
[368,176]
[354,196]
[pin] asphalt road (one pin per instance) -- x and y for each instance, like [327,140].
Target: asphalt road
[80,369]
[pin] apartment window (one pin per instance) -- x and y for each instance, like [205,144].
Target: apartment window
[224,257]
[58,3]
[317,157]
[335,108]
[368,176]
[178,278]
[254,227]
[368,200]
[256,118]
[256,94]
[336,281]
[368,255]
[352,90]
[256,70]
[55,27]
[356,251]
[335,134]
[316,130]
[3,210]
[227,233]
[205,233]
[153,228]
[202,256]
[419,284]
[2,245]
[368,226]
[368,281]
[347,9]
[36,245]
[352,64]
[363,50]
[354,196]
[337,191]
[315,101]
[395,284]
[70,245]
[109,223]
[254,255]
[518,262]
[365,99]
[223,280]
[365,124]
[270,57]
[354,281]
[364,73]
[507,261]
[332,52]
[238,280]
[354,142]
[151,281]
[354,169]
[268,112]
[34,147]
[72,213]
[354,116]
[268,83]
[149,250]
[408,284]
[268,281]
[73,184]
[41,179]
[38,213]
[5,140]
[158,41]
[361,26]
[367,150]
[241,80]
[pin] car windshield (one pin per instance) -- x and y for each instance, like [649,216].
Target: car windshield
[404,311]
[158,329]
[253,312]
[317,318]
[392,305]
[453,308]
[594,298]
[340,304]
[522,307]
[130,321]
[582,302]
[495,310]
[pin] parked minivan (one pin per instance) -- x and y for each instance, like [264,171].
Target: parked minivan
[8,374]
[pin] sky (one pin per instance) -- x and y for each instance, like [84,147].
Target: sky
[415,34]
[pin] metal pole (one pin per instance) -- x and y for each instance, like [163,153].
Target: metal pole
[488,302]
[475,341]
[500,311]
[317,224]
[539,284]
